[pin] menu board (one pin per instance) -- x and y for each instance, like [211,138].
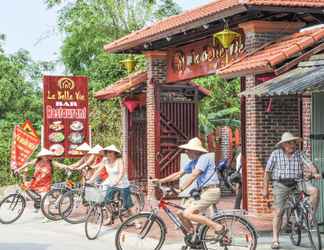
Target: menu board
[66,115]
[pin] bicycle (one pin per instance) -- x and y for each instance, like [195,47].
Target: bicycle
[107,211]
[13,205]
[151,235]
[299,213]
[50,201]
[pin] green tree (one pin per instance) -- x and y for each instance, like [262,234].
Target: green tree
[222,107]
[90,24]
[20,97]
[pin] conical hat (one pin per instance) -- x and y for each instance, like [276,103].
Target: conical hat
[45,152]
[194,145]
[95,150]
[112,148]
[84,147]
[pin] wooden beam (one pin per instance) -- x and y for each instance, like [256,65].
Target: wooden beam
[303,57]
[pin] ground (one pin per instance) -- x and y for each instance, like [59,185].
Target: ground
[30,232]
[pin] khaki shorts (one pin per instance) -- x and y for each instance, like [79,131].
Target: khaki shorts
[208,197]
[281,193]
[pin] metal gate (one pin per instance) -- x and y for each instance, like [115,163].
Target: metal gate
[317,142]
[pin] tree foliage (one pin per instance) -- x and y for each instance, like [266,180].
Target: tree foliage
[20,97]
[90,24]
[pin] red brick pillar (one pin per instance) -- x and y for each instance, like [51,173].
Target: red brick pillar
[157,68]
[263,130]
[124,139]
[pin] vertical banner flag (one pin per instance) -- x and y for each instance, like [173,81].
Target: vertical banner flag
[66,115]
[23,145]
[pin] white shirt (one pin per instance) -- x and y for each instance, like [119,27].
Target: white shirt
[113,170]
[238,163]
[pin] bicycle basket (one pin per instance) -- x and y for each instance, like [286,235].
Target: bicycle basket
[94,194]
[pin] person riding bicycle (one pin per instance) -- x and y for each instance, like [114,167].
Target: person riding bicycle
[203,173]
[117,179]
[286,165]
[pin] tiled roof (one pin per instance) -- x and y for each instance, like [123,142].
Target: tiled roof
[171,25]
[307,77]
[133,81]
[266,59]
[123,85]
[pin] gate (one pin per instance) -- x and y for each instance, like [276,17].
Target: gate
[317,141]
[178,124]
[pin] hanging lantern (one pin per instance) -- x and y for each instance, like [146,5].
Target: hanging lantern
[226,37]
[129,64]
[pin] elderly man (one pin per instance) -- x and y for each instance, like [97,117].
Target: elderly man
[203,173]
[285,165]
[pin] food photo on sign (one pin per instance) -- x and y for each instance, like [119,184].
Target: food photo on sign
[66,115]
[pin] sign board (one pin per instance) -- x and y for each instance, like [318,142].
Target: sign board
[23,146]
[202,58]
[28,127]
[66,115]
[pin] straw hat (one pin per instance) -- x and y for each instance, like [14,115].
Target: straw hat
[95,150]
[44,152]
[84,147]
[286,137]
[194,145]
[112,148]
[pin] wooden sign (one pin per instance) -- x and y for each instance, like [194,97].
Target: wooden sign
[66,115]
[23,146]
[202,58]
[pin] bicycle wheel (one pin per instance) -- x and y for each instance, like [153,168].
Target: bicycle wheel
[11,208]
[294,218]
[50,204]
[240,235]
[312,228]
[94,222]
[141,231]
[72,207]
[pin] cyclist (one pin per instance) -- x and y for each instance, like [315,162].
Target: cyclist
[285,165]
[42,176]
[203,174]
[117,179]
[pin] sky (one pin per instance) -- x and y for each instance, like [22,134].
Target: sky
[29,25]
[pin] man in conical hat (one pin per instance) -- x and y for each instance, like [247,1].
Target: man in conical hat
[286,165]
[202,170]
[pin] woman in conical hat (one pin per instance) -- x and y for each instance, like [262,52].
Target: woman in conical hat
[42,177]
[117,176]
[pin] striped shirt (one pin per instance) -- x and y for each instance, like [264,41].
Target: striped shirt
[282,167]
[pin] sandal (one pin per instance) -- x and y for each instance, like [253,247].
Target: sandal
[275,245]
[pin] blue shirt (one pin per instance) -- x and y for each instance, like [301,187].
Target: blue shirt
[207,167]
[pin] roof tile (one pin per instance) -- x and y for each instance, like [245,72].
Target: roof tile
[168,25]
[267,58]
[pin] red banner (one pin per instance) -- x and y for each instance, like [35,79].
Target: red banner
[23,146]
[66,115]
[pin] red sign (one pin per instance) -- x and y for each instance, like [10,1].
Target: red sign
[201,58]
[66,115]
[23,146]
[28,127]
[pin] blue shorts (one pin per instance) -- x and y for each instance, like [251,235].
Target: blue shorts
[125,195]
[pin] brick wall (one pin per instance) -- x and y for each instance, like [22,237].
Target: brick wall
[157,68]
[263,130]
[307,119]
